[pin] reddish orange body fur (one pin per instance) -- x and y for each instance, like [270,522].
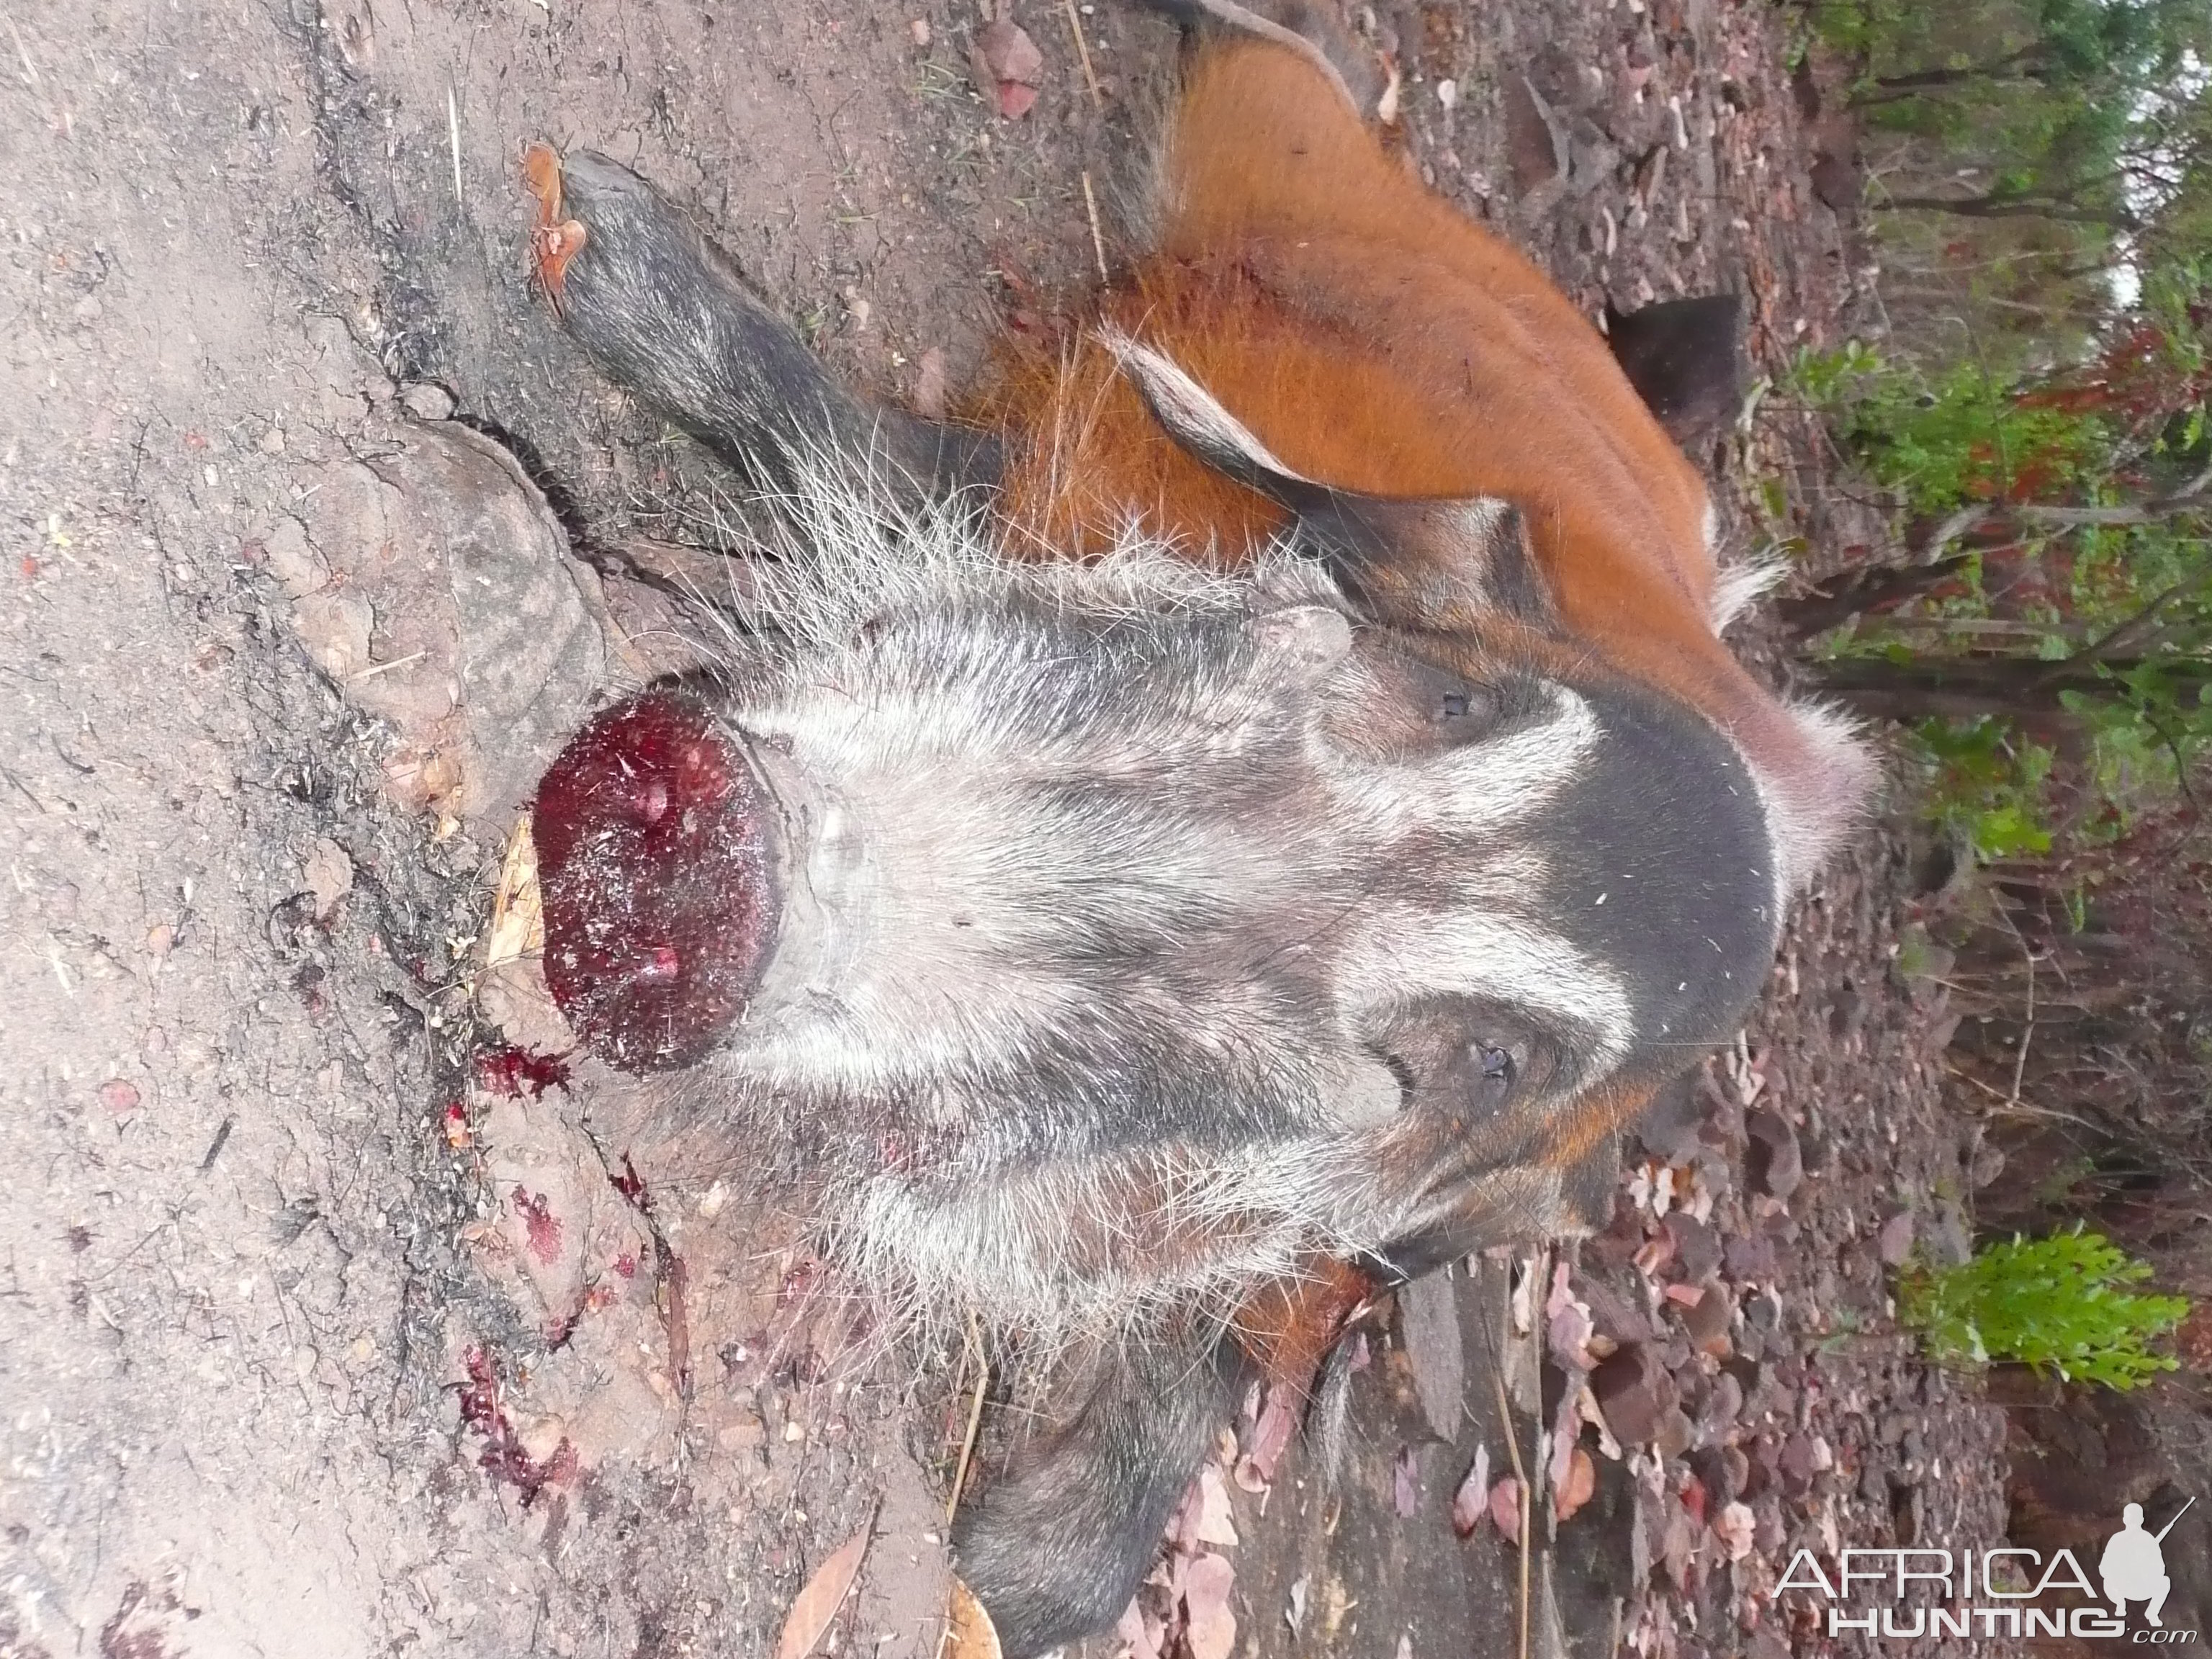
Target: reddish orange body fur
[1376,340]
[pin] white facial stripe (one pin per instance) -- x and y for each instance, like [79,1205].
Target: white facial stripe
[1404,953]
[1490,785]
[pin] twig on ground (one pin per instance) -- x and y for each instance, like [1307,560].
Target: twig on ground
[1520,1470]
[1097,241]
[974,1420]
[1083,51]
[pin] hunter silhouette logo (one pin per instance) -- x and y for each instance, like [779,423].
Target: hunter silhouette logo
[2133,1565]
[2005,1591]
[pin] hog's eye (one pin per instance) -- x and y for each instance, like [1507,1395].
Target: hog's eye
[1464,705]
[1497,1064]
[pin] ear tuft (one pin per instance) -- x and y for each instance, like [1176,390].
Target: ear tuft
[1411,563]
[1813,806]
[1740,587]
[1195,419]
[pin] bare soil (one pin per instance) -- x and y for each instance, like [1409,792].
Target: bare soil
[319,1332]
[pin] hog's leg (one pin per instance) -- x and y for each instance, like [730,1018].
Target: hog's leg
[666,314]
[1055,1550]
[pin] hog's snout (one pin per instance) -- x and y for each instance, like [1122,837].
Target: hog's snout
[661,893]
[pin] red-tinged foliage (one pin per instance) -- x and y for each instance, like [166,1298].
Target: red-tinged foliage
[512,1072]
[1693,1497]
[2139,376]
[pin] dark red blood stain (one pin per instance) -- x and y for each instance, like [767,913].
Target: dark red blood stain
[484,1414]
[652,861]
[540,1223]
[511,1071]
[631,1185]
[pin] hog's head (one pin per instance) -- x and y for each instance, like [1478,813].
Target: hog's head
[1114,931]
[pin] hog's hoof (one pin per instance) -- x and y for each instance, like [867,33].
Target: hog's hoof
[553,239]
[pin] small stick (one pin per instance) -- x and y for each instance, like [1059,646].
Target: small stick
[1520,1475]
[2026,1035]
[974,1420]
[1097,241]
[1083,51]
[376,668]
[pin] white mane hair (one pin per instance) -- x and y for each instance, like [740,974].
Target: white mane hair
[843,549]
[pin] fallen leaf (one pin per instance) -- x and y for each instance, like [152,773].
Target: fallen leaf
[1270,1439]
[1216,1525]
[1567,1430]
[1405,1481]
[330,875]
[1505,1509]
[930,397]
[970,1633]
[1138,1632]
[1569,1332]
[1734,1527]
[815,1606]
[1580,1486]
[1468,1502]
[1007,53]
[1562,1288]
[1211,1626]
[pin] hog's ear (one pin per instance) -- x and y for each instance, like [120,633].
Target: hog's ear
[1409,563]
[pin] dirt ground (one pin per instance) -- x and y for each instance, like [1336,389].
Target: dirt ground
[319,1332]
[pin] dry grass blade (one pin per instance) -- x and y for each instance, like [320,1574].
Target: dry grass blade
[974,1420]
[815,1606]
[518,921]
[1097,236]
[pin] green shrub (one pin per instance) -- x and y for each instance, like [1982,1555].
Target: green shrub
[2053,1303]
